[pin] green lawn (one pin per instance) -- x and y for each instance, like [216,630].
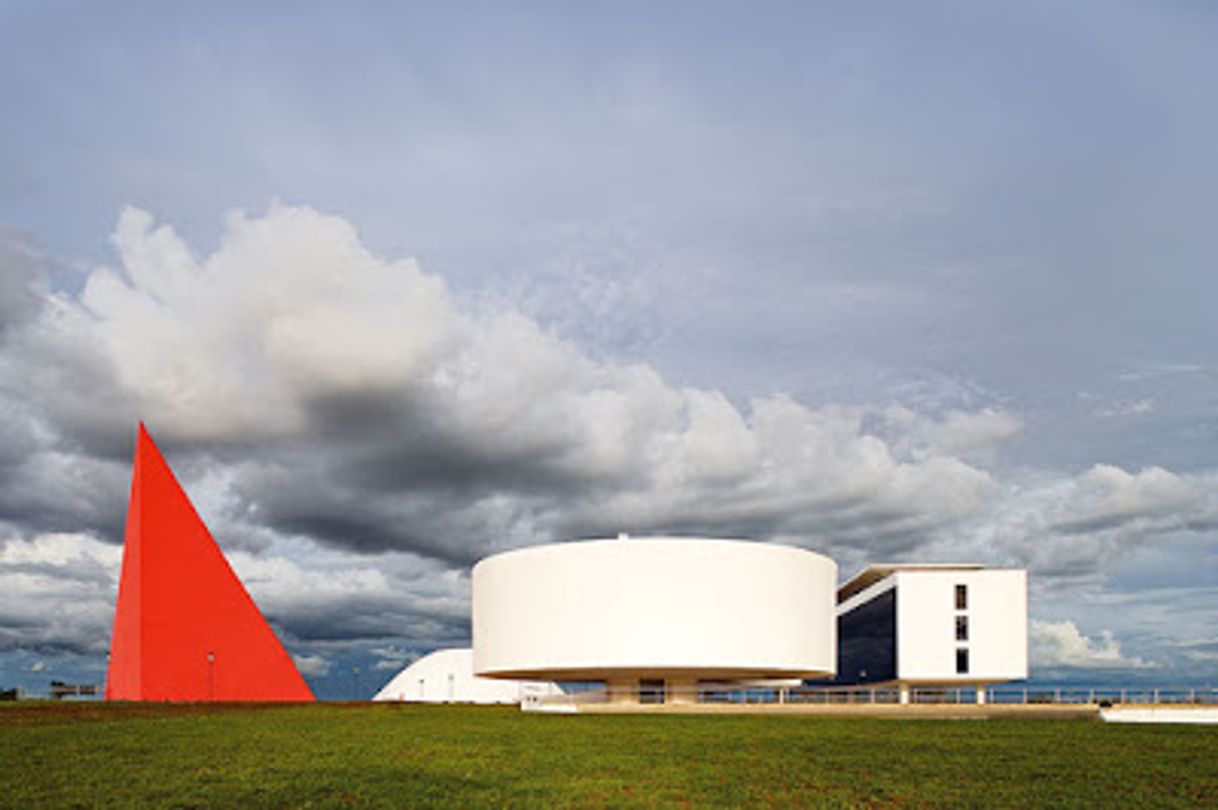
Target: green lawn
[422,756]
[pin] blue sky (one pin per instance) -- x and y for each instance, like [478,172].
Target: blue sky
[890,281]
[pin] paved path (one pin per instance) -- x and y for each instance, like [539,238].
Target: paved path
[925,711]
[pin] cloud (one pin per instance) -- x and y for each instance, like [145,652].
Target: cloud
[20,266]
[1152,371]
[1060,645]
[1137,407]
[1204,651]
[353,402]
[1109,498]
[392,657]
[58,593]
[1072,526]
[37,666]
[975,435]
[313,665]
[820,225]
[329,597]
[356,436]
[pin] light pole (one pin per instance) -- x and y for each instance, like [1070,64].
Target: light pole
[355,683]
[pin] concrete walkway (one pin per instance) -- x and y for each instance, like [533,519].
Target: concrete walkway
[894,711]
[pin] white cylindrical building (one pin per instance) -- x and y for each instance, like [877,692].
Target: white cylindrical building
[678,610]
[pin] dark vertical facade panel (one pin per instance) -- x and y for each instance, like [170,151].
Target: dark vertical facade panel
[867,641]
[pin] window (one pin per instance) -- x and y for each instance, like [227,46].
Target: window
[962,628]
[961,597]
[961,660]
[651,691]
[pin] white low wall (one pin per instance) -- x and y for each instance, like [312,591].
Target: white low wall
[1160,714]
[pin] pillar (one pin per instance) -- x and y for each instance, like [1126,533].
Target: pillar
[622,691]
[681,691]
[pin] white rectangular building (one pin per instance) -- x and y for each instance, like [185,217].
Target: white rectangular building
[933,625]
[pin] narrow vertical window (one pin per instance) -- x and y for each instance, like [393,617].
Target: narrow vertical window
[962,628]
[961,660]
[961,597]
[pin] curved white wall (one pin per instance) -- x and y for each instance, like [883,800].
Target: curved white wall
[639,607]
[447,676]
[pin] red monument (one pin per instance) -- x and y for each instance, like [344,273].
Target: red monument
[184,627]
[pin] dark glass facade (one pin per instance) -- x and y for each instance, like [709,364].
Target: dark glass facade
[867,641]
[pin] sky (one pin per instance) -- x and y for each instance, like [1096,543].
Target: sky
[399,285]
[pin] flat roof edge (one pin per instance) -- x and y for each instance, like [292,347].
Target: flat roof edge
[877,571]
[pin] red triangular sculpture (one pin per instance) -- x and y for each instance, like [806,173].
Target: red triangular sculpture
[184,627]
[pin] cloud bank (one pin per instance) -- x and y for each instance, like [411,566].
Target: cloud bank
[354,403]
[356,435]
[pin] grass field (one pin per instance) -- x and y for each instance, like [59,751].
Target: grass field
[329,755]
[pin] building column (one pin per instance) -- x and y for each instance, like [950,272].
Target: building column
[622,691]
[681,691]
[980,694]
[903,694]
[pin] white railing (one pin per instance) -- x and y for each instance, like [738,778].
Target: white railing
[1106,695]
[732,694]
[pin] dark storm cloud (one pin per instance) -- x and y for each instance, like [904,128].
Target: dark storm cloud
[51,492]
[364,620]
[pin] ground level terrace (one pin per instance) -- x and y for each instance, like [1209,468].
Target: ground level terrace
[990,701]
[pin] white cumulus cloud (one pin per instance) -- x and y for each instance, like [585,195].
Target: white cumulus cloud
[1054,645]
